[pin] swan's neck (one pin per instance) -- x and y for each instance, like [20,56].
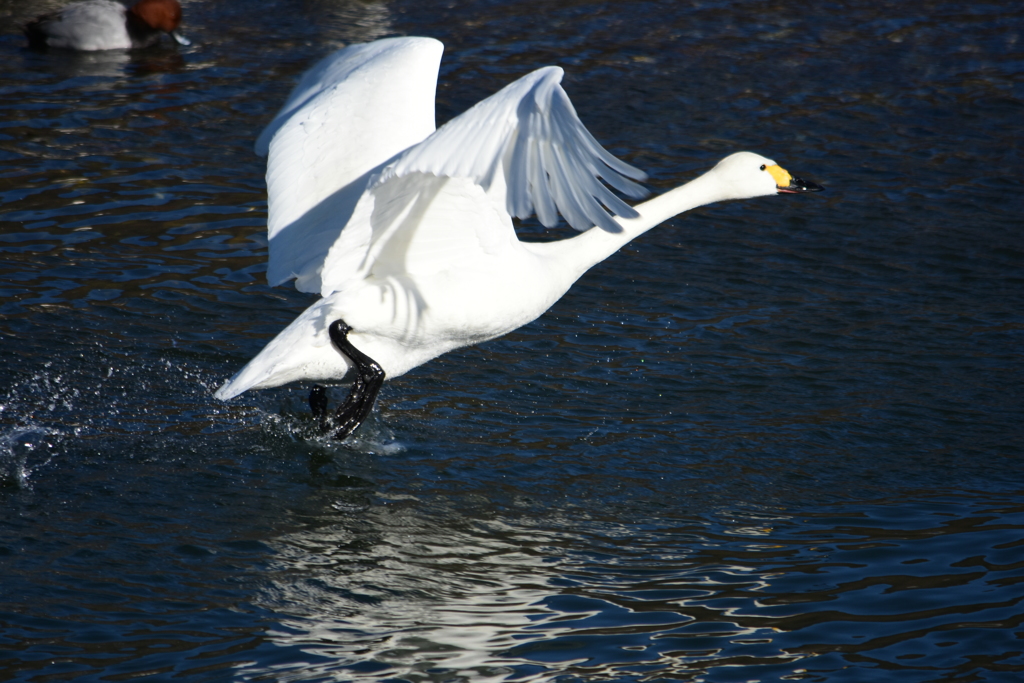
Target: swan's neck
[578,254]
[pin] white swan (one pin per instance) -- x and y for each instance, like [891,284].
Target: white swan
[406,232]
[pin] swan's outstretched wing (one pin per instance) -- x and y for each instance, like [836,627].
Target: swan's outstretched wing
[524,149]
[549,162]
[351,113]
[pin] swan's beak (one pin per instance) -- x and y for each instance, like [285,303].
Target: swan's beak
[787,184]
[797,185]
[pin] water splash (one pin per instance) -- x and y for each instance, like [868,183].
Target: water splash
[29,439]
[292,420]
[23,451]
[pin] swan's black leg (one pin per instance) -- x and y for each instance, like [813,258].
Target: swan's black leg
[359,402]
[318,403]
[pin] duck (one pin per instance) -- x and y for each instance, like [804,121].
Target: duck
[107,25]
[406,231]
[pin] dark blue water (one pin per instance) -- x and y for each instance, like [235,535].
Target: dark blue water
[773,440]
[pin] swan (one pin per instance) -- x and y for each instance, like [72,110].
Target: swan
[106,25]
[406,231]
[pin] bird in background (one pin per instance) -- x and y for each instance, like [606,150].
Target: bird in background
[406,231]
[106,25]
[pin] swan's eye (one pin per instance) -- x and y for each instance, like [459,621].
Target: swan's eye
[762,167]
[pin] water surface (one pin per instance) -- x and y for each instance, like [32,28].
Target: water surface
[770,440]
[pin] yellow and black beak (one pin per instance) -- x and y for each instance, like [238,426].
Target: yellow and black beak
[787,184]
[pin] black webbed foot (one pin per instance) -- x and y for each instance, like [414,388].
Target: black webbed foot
[359,402]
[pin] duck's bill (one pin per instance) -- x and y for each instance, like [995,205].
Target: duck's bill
[797,186]
[180,39]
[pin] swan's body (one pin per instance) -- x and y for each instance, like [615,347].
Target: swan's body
[106,25]
[407,233]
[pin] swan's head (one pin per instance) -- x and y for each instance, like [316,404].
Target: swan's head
[745,174]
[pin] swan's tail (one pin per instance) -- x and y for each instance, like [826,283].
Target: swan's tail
[302,351]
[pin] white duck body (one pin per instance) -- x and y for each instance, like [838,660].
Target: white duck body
[428,260]
[90,25]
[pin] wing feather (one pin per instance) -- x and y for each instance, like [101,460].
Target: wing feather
[336,163]
[531,134]
[350,114]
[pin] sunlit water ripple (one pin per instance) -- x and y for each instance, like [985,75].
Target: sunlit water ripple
[771,440]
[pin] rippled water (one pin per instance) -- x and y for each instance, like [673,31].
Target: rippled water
[770,440]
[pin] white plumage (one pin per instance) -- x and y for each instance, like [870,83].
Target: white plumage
[406,232]
[93,25]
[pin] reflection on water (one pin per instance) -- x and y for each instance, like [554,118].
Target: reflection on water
[887,584]
[412,598]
